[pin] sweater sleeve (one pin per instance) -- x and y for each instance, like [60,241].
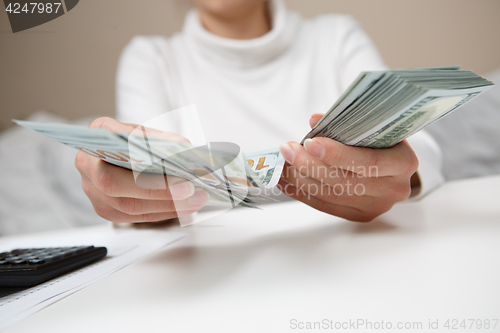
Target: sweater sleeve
[140,85]
[430,163]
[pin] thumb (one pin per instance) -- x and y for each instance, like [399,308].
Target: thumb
[314,119]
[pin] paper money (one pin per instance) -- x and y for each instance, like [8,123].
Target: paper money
[219,168]
[378,110]
[382,108]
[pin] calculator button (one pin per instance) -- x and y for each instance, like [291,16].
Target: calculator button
[51,258]
[36,261]
[17,262]
[29,257]
[12,259]
[79,249]
[3,262]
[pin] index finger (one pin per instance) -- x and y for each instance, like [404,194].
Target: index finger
[114,125]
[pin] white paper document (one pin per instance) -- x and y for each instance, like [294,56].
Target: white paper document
[124,247]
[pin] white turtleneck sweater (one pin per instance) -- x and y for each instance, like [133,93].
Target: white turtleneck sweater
[257,93]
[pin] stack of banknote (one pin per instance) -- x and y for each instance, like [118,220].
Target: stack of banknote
[378,110]
[382,108]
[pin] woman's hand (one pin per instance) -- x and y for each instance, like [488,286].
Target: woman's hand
[355,183]
[116,196]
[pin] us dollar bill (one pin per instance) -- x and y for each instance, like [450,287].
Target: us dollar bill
[221,169]
[382,108]
[378,110]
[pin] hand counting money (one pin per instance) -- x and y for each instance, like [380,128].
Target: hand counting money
[378,110]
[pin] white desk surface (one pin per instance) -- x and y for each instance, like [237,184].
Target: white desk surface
[255,271]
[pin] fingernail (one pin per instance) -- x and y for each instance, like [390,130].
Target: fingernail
[315,148]
[181,190]
[199,198]
[287,152]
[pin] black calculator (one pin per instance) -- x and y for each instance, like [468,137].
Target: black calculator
[29,267]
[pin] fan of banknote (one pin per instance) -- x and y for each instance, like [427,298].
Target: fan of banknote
[226,173]
[378,110]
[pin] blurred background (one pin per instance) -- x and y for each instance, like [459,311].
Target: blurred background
[67,66]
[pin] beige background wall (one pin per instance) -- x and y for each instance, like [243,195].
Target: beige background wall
[68,66]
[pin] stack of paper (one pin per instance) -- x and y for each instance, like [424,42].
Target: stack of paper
[124,247]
